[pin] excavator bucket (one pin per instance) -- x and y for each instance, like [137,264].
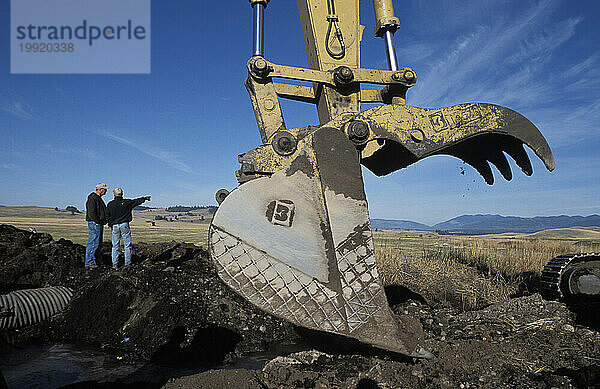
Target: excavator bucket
[294,238]
[298,244]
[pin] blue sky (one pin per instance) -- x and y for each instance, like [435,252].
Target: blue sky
[175,133]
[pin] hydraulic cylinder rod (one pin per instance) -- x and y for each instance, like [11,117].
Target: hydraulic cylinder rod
[258,26]
[386,25]
[390,50]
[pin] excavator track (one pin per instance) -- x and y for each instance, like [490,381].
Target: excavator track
[572,275]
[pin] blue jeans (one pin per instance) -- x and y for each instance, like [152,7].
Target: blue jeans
[95,234]
[121,231]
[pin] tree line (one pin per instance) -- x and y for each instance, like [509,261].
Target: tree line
[181,208]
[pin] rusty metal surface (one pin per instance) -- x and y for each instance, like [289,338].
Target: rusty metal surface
[298,244]
[266,107]
[296,92]
[477,133]
[384,15]
[405,76]
[584,279]
[400,135]
[313,19]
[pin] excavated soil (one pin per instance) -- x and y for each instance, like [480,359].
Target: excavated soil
[525,343]
[170,307]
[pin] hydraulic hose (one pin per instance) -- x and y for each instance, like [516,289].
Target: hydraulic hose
[333,23]
[25,307]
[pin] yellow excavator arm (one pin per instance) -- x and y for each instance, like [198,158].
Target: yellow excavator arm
[294,237]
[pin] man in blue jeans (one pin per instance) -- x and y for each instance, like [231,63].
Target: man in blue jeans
[118,215]
[95,214]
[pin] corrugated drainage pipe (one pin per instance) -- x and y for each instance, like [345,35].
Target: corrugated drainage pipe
[29,306]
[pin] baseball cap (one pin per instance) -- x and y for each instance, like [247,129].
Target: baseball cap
[118,192]
[102,185]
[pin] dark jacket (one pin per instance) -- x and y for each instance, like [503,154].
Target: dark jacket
[95,209]
[119,210]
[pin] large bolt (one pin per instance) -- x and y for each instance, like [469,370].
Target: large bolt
[343,75]
[397,76]
[358,131]
[269,104]
[409,75]
[284,143]
[221,194]
[260,67]
[260,64]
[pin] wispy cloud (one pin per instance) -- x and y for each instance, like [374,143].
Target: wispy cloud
[518,62]
[167,157]
[584,76]
[59,90]
[10,166]
[568,124]
[497,61]
[59,149]
[14,104]
[19,109]
[416,53]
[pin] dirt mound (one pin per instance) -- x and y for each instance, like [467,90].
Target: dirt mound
[33,260]
[525,343]
[170,306]
[173,314]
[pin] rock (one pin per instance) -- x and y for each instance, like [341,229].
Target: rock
[532,339]
[218,379]
[313,369]
[568,328]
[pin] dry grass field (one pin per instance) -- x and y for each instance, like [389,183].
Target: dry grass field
[61,224]
[472,271]
[467,272]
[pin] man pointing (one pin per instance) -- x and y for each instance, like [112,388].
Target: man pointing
[118,215]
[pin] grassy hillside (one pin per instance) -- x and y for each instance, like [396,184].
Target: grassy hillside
[577,233]
[38,212]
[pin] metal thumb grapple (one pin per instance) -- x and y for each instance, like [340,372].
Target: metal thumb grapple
[294,237]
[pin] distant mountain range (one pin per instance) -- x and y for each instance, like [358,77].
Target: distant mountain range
[492,224]
[386,224]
